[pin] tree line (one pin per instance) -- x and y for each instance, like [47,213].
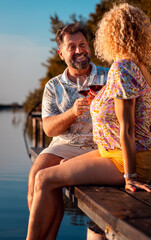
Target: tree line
[55,65]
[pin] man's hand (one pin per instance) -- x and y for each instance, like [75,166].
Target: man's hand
[57,124]
[80,106]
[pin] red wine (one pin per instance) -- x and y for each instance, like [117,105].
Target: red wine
[95,88]
[84,92]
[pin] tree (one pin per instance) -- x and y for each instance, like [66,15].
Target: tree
[55,65]
[33,99]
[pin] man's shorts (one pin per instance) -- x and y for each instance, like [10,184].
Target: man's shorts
[143,162]
[67,151]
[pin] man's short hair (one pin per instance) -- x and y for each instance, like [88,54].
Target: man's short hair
[71,29]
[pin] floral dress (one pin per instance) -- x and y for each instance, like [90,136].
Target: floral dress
[125,81]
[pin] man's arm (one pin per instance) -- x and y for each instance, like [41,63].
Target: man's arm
[57,124]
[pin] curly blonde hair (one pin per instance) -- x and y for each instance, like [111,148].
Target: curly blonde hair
[124,31]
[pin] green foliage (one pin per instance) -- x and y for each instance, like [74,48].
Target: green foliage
[33,99]
[55,65]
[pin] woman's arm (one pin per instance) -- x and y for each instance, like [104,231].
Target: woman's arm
[125,112]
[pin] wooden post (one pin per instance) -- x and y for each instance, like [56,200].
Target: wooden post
[35,132]
[42,135]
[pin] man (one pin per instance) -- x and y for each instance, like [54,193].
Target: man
[65,112]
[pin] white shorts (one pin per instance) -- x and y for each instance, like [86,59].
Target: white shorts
[66,151]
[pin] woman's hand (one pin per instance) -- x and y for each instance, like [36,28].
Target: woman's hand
[132,184]
[91,96]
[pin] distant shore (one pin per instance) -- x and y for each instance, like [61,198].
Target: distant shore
[10,106]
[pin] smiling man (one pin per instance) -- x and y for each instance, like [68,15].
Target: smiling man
[74,50]
[65,112]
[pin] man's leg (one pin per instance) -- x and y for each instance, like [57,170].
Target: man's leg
[54,228]
[44,160]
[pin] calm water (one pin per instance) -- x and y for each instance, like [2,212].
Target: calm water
[14,168]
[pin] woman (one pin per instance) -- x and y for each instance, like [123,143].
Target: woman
[121,114]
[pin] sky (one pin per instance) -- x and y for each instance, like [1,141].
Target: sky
[25,41]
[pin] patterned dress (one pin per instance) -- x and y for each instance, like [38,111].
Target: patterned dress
[125,81]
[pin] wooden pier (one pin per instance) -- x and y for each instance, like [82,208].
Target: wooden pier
[121,214]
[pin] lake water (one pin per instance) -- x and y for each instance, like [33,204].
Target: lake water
[14,168]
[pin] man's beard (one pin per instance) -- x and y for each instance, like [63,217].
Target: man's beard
[80,65]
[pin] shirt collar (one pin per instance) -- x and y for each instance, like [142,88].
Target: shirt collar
[65,79]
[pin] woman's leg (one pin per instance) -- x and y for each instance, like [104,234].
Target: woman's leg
[89,168]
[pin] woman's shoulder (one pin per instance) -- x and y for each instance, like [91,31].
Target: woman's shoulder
[128,70]
[127,79]
[123,69]
[125,64]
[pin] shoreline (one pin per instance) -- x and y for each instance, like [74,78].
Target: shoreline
[10,106]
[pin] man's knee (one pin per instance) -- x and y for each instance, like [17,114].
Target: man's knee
[46,180]
[40,181]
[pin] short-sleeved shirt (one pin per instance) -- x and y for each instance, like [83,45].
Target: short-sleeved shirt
[59,95]
[124,81]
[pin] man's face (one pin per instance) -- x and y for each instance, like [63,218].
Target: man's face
[75,51]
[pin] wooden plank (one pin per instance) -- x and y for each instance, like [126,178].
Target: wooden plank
[118,209]
[135,228]
[140,195]
[34,153]
[36,114]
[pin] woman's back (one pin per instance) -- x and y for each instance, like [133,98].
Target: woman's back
[125,81]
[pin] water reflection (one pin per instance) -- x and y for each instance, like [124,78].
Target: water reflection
[16,120]
[13,157]
[77,216]
[14,168]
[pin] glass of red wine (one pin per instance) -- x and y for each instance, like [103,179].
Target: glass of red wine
[82,85]
[97,83]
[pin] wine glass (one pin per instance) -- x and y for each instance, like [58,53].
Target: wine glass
[97,83]
[82,85]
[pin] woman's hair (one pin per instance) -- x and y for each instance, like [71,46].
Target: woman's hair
[124,31]
[71,29]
